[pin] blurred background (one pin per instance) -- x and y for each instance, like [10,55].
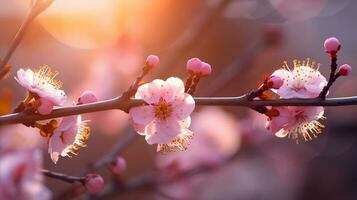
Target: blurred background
[102,45]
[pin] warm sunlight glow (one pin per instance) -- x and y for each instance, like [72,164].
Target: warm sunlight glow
[87,24]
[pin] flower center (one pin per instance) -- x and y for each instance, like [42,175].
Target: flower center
[163,109]
[44,77]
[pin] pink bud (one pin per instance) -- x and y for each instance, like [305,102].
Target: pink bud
[87,97]
[344,70]
[94,183]
[45,107]
[332,45]
[206,69]
[118,166]
[194,65]
[152,61]
[275,82]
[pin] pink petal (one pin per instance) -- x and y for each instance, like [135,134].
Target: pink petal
[174,89]
[142,114]
[182,108]
[163,132]
[46,106]
[55,147]
[151,92]
[282,133]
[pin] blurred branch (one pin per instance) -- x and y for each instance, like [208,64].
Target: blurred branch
[38,7]
[63,177]
[122,104]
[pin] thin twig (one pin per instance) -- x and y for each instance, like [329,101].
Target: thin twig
[121,104]
[63,177]
[36,9]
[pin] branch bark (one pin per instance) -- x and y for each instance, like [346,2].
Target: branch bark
[122,104]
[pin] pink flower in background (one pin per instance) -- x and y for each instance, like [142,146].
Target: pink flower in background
[303,81]
[217,136]
[43,84]
[20,163]
[20,137]
[166,116]
[94,183]
[20,176]
[71,134]
[298,123]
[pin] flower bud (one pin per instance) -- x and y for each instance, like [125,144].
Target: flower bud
[87,97]
[194,65]
[332,45]
[344,70]
[152,61]
[275,82]
[118,166]
[45,106]
[94,183]
[206,69]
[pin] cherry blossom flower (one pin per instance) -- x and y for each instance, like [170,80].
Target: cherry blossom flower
[94,183]
[20,177]
[20,163]
[166,118]
[41,83]
[118,166]
[344,70]
[217,136]
[303,81]
[297,122]
[332,45]
[68,137]
[152,61]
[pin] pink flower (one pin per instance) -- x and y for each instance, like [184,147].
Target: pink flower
[303,81]
[344,70]
[118,166]
[206,69]
[43,84]
[87,97]
[20,161]
[20,177]
[94,183]
[152,61]
[71,134]
[298,123]
[167,114]
[275,82]
[217,136]
[196,66]
[332,45]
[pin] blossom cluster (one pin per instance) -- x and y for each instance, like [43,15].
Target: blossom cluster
[163,118]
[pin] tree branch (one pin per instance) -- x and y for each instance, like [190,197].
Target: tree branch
[121,104]
[38,7]
[63,177]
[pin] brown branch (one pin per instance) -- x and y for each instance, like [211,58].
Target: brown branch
[37,8]
[63,177]
[118,103]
